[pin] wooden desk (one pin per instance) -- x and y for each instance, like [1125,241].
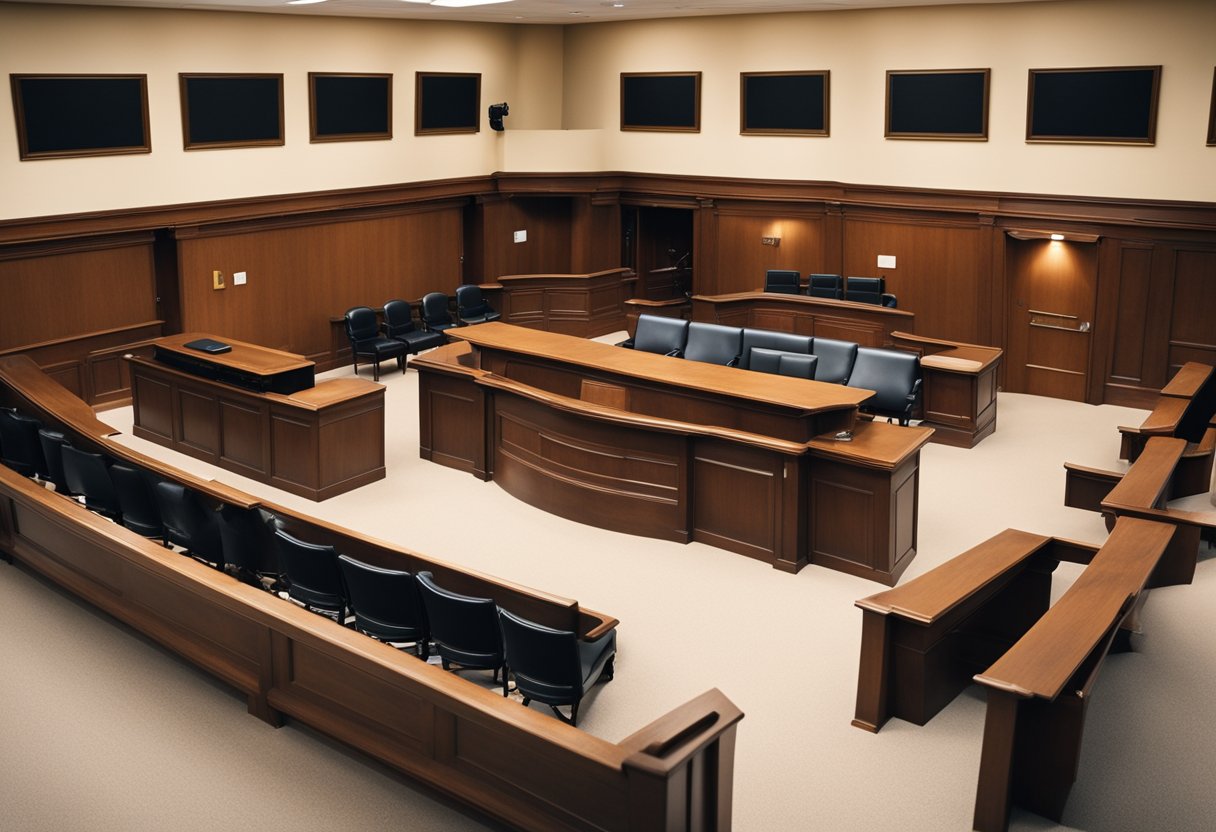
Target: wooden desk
[958,387]
[674,449]
[585,305]
[1038,691]
[317,442]
[865,323]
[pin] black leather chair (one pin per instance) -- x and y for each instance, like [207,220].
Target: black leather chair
[20,445]
[140,513]
[659,334]
[52,442]
[399,325]
[363,330]
[889,300]
[714,343]
[87,474]
[825,286]
[864,290]
[434,312]
[188,523]
[465,629]
[386,603]
[471,307]
[248,544]
[554,666]
[895,378]
[783,363]
[782,281]
[770,340]
[311,573]
[835,359]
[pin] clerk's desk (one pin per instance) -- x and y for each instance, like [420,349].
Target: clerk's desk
[675,449]
[257,412]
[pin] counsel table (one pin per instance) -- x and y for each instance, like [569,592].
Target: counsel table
[675,449]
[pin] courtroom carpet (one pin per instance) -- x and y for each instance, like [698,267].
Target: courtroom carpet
[105,731]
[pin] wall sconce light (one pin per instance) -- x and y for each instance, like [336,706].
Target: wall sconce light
[770,241]
[1057,237]
[497,113]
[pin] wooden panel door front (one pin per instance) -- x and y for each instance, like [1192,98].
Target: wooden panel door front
[1053,285]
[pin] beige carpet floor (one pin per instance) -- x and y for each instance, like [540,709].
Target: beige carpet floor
[101,730]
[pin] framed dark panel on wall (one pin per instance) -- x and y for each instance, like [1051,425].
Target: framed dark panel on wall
[784,103]
[349,106]
[447,102]
[947,104]
[80,115]
[1212,114]
[1098,104]
[231,110]
[663,101]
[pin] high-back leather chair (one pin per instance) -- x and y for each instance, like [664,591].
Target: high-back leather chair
[779,362]
[714,343]
[465,629]
[385,602]
[19,443]
[554,666]
[782,281]
[825,286]
[188,523]
[248,544]
[52,442]
[87,474]
[434,312]
[770,340]
[835,360]
[363,331]
[399,325]
[895,378]
[140,513]
[311,573]
[471,307]
[864,290]
[889,300]
[659,334]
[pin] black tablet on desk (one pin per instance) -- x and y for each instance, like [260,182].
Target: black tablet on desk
[209,345]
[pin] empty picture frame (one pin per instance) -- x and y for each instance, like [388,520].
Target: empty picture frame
[59,116]
[662,101]
[1115,105]
[950,104]
[349,106]
[447,102]
[784,103]
[231,110]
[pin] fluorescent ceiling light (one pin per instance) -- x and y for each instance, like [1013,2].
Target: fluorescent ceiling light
[460,4]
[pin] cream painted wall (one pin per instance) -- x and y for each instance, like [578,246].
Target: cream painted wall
[64,39]
[859,46]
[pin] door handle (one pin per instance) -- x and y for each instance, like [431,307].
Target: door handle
[1084,327]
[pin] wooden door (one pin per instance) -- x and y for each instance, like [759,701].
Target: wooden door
[1053,286]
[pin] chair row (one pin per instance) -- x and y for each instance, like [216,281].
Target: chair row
[894,375]
[832,286]
[397,336]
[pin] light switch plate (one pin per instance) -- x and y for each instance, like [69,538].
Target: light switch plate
[521,236]
[239,278]
[886,261]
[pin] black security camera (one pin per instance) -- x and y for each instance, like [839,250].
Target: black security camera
[497,113]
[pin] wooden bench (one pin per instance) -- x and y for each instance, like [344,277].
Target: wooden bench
[1186,409]
[1039,689]
[921,643]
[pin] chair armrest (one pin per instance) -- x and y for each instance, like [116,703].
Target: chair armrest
[627,344]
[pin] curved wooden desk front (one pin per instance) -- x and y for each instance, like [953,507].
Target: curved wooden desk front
[674,449]
[586,305]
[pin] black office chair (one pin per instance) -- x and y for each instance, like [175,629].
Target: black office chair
[399,325]
[52,442]
[248,545]
[434,312]
[465,629]
[825,286]
[87,474]
[835,359]
[20,445]
[783,363]
[770,340]
[188,522]
[554,666]
[889,300]
[658,334]
[714,343]
[312,577]
[782,281]
[363,330]
[386,603]
[471,307]
[140,513]
[864,290]
[895,378]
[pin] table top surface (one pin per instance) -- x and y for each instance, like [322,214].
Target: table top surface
[250,358]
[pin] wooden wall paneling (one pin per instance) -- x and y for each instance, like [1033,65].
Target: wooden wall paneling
[168,288]
[664,235]
[705,278]
[1124,305]
[741,258]
[1193,321]
[595,233]
[548,221]
[997,314]
[832,238]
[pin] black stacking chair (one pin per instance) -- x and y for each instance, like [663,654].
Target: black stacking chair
[767,339]
[87,474]
[782,281]
[434,312]
[52,442]
[655,333]
[864,290]
[714,343]
[311,574]
[386,603]
[140,513]
[399,324]
[248,544]
[20,445]
[895,378]
[363,330]
[465,629]
[188,523]
[825,286]
[554,666]
[835,359]
[471,307]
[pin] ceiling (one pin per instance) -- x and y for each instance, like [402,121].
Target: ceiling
[531,11]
